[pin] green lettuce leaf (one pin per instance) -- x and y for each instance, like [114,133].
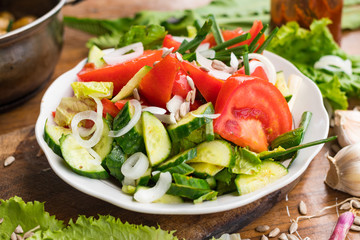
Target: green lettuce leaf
[28,215]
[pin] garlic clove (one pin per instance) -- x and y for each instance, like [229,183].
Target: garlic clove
[347,126]
[344,172]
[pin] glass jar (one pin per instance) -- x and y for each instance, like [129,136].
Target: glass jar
[305,11]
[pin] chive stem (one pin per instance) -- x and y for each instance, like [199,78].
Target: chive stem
[246,63]
[268,40]
[215,29]
[231,42]
[254,44]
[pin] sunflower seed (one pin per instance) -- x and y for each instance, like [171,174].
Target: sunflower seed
[136,94]
[274,232]
[302,208]
[355,204]
[190,82]
[263,237]
[292,237]
[167,51]
[156,62]
[218,65]
[18,237]
[193,96]
[1,220]
[9,160]
[13,236]
[188,96]
[293,227]
[18,229]
[335,147]
[262,228]
[357,220]
[345,206]
[28,234]
[355,228]
[183,109]
[283,237]
[205,69]
[177,115]
[179,57]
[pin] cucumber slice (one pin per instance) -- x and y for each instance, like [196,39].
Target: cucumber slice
[144,179]
[187,191]
[178,159]
[182,168]
[52,134]
[189,123]
[209,196]
[96,56]
[209,131]
[80,160]
[132,141]
[282,86]
[157,141]
[217,152]
[133,83]
[166,198]
[193,182]
[269,172]
[113,162]
[204,170]
[104,146]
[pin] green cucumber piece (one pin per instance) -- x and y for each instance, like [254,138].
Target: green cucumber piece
[246,162]
[211,181]
[132,141]
[128,189]
[217,152]
[204,170]
[157,141]
[269,172]
[182,168]
[225,176]
[52,134]
[178,159]
[113,162]
[187,191]
[209,131]
[166,198]
[189,123]
[207,197]
[96,56]
[281,84]
[193,182]
[104,146]
[80,160]
[144,179]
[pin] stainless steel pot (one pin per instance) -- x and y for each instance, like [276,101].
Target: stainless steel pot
[28,55]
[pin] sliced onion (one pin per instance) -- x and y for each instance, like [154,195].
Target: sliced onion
[128,182]
[156,192]
[119,55]
[208,53]
[154,110]
[155,172]
[166,118]
[253,65]
[210,116]
[174,104]
[268,66]
[135,166]
[135,118]
[234,62]
[85,132]
[203,47]
[203,61]
[181,39]
[334,64]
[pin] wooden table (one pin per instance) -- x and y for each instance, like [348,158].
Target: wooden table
[310,189]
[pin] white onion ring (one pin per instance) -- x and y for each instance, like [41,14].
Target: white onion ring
[253,65]
[203,47]
[181,39]
[328,62]
[268,66]
[85,132]
[156,192]
[135,166]
[209,116]
[131,123]
[154,110]
[203,61]
[173,105]
[119,55]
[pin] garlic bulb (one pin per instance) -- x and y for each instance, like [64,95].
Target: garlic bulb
[344,172]
[347,127]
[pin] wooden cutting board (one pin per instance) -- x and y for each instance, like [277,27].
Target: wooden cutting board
[31,178]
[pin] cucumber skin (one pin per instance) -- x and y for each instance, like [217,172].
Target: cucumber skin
[177,133]
[178,159]
[105,145]
[56,148]
[187,192]
[132,141]
[192,182]
[183,169]
[113,162]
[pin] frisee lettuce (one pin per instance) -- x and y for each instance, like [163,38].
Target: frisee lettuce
[28,215]
[304,47]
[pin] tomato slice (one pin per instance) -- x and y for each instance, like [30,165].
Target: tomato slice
[208,85]
[121,73]
[109,107]
[158,83]
[230,34]
[181,86]
[254,115]
[258,72]
[170,42]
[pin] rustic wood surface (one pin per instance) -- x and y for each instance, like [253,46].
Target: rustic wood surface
[30,177]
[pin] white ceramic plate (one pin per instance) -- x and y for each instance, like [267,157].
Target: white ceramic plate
[309,99]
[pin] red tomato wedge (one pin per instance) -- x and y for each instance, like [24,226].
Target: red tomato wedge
[170,42]
[254,115]
[181,86]
[258,72]
[230,34]
[208,85]
[157,85]
[121,73]
[109,107]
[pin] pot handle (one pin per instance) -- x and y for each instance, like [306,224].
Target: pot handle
[72,2]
